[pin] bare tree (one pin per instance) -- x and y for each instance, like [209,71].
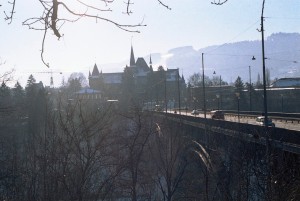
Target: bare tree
[84,163]
[68,155]
[55,13]
[134,133]
[7,76]
[168,149]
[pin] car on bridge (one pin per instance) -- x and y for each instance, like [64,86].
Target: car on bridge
[261,121]
[217,114]
[195,112]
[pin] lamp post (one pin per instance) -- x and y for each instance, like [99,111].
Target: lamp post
[264,67]
[178,86]
[250,87]
[218,97]
[203,86]
[238,101]
[166,103]
[204,111]
[186,108]
[268,136]
[281,103]
[220,93]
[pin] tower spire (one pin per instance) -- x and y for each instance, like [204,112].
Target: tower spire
[132,59]
[95,71]
[151,69]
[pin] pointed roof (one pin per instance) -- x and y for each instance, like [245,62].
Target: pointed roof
[132,59]
[95,71]
[141,64]
[151,69]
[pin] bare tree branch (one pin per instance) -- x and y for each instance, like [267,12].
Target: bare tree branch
[7,76]
[219,2]
[51,17]
[10,17]
[93,7]
[160,2]
[54,18]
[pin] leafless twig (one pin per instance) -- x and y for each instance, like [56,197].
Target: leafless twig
[219,2]
[51,19]
[10,17]
[160,2]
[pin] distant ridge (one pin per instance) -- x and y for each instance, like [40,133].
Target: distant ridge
[282,52]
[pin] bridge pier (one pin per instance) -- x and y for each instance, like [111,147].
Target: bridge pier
[237,153]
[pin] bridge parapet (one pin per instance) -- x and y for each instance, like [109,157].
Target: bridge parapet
[288,140]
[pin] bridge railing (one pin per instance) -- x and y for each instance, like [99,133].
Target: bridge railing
[287,117]
[288,139]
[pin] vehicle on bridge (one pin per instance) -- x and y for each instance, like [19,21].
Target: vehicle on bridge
[158,108]
[261,120]
[217,114]
[195,112]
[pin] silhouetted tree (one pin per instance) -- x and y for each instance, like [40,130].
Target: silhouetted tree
[5,95]
[258,84]
[217,82]
[169,163]
[160,68]
[239,84]
[195,80]
[135,128]
[31,80]
[268,77]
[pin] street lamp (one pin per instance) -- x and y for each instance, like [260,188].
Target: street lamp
[178,86]
[218,97]
[220,93]
[166,103]
[268,148]
[264,68]
[203,86]
[250,87]
[186,108]
[281,103]
[238,100]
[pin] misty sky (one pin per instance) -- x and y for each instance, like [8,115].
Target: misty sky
[86,42]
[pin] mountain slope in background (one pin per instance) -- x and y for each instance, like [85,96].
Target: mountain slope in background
[282,53]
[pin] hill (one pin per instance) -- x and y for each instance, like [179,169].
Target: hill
[282,52]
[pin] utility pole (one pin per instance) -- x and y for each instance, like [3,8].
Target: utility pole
[264,66]
[220,100]
[206,134]
[166,103]
[178,86]
[268,135]
[250,87]
[203,88]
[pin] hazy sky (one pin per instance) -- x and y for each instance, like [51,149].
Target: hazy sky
[195,23]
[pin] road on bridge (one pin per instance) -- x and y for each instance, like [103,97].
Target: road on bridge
[249,120]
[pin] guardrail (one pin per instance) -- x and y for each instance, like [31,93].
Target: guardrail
[288,140]
[277,116]
[287,117]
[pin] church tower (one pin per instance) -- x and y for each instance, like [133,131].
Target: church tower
[95,71]
[151,68]
[132,59]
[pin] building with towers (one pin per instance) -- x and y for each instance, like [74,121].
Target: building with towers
[139,82]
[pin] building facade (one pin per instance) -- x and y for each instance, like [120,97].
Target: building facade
[139,83]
